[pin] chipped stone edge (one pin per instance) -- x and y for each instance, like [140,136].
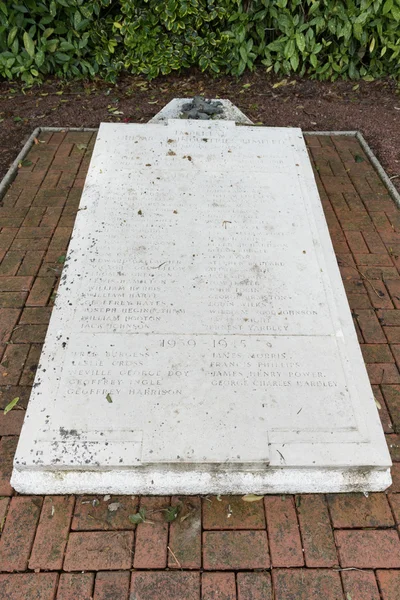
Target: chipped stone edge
[174,482]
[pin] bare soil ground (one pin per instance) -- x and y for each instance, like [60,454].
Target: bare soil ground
[372,108]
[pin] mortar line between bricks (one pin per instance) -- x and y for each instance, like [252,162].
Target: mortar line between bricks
[69,529]
[202,500]
[325,496]
[23,367]
[378,585]
[365,528]
[34,537]
[350,176]
[267,534]
[58,180]
[387,405]
[94,582]
[218,570]
[397,526]
[20,264]
[300,532]
[57,584]
[342,583]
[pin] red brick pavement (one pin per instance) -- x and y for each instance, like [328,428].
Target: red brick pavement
[308,547]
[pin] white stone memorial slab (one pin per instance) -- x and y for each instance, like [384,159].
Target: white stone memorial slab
[173,110]
[201,340]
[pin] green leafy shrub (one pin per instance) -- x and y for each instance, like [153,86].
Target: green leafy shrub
[61,37]
[325,39]
[163,36]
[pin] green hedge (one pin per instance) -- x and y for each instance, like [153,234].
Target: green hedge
[324,39]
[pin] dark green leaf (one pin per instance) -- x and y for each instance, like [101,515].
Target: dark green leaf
[39,58]
[300,41]
[29,44]
[171,513]
[387,7]
[138,517]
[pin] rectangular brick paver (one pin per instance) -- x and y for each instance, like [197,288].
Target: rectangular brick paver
[32,586]
[185,534]
[360,585]
[232,512]
[11,423]
[112,585]
[391,394]
[369,549]
[19,532]
[383,373]
[12,299]
[283,532]
[41,291]
[389,582]
[8,446]
[395,472]
[104,512]
[13,363]
[370,327]
[307,584]
[174,585]
[4,502]
[254,586]
[357,510]
[228,550]
[52,533]
[15,284]
[36,316]
[316,531]
[218,585]
[8,319]
[394,500]
[75,586]
[99,550]
[152,538]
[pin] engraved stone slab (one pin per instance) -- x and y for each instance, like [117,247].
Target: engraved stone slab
[201,340]
[173,110]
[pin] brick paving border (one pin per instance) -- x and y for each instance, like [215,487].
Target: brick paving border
[9,176]
[303,547]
